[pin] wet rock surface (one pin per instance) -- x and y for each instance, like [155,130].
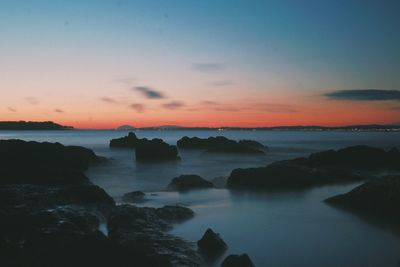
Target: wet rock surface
[189,182]
[155,150]
[134,197]
[211,244]
[326,167]
[233,260]
[53,222]
[221,144]
[128,141]
[378,197]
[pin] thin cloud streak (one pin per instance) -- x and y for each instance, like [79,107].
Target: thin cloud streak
[173,105]
[108,100]
[364,95]
[140,108]
[149,92]
[208,67]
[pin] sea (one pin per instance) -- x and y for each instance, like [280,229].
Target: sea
[288,228]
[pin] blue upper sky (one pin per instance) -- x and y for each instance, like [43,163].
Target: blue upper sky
[71,49]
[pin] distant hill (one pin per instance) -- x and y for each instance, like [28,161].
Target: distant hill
[32,125]
[125,127]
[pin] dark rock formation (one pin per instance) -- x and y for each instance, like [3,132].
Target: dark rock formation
[188,182]
[43,163]
[155,150]
[379,197]
[318,169]
[220,144]
[141,231]
[47,221]
[251,143]
[135,196]
[242,260]
[211,244]
[32,125]
[128,141]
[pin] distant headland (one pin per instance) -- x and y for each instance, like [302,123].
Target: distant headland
[32,125]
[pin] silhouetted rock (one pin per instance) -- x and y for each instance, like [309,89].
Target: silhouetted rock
[242,260]
[251,143]
[128,141]
[319,168]
[174,213]
[219,144]
[32,125]
[188,182]
[211,244]
[142,231]
[136,196]
[43,163]
[379,197]
[155,150]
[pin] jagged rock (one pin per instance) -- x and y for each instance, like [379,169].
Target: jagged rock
[188,182]
[128,141]
[379,197]
[211,244]
[233,260]
[142,231]
[219,144]
[155,150]
[251,143]
[319,168]
[174,213]
[135,196]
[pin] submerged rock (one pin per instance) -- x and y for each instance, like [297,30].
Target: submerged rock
[128,141]
[188,182]
[155,150]
[233,260]
[211,244]
[135,196]
[379,197]
[319,168]
[220,144]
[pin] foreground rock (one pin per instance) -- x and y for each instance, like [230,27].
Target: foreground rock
[155,150]
[55,222]
[44,163]
[379,197]
[188,182]
[128,141]
[318,169]
[134,197]
[242,260]
[141,232]
[211,244]
[220,144]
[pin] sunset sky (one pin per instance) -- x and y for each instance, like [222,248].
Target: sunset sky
[101,64]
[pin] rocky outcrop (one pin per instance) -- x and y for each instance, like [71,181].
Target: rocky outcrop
[189,182]
[128,141]
[320,168]
[379,197]
[43,163]
[155,150]
[242,260]
[134,197]
[142,231]
[220,144]
[211,244]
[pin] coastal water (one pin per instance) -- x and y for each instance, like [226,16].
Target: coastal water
[274,228]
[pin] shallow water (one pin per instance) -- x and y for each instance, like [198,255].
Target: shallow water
[275,229]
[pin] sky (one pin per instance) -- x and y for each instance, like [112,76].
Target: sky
[248,63]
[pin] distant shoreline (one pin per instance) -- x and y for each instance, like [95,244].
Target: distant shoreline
[51,126]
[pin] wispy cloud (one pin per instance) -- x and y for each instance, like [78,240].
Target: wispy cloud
[58,110]
[278,108]
[221,83]
[208,67]
[173,105]
[108,100]
[209,103]
[32,100]
[138,107]
[11,109]
[149,92]
[364,95]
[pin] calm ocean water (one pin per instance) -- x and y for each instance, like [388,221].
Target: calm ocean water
[275,229]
